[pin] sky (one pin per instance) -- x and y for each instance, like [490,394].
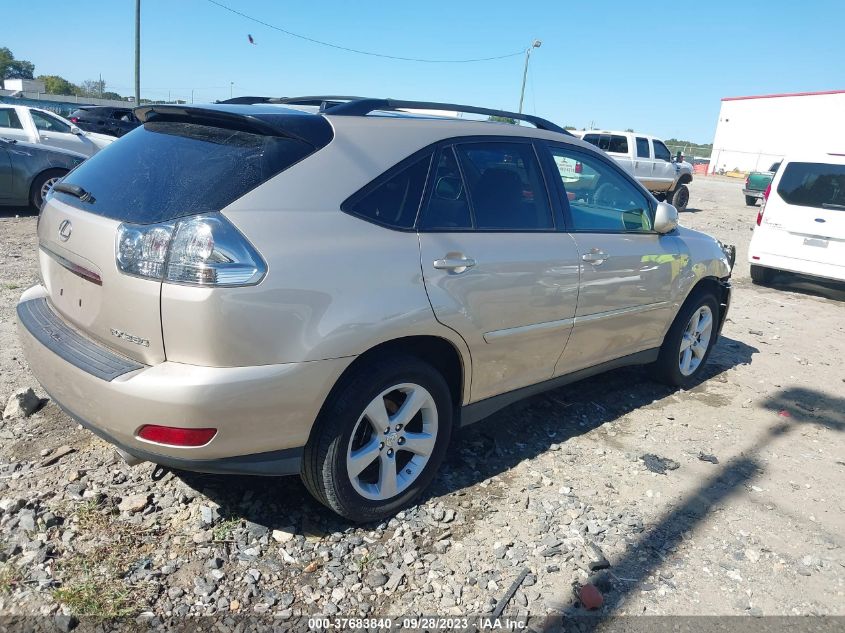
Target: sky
[659,68]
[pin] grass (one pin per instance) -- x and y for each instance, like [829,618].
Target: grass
[92,583]
[10,576]
[11,286]
[223,530]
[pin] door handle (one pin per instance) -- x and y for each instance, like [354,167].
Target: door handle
[595,256]
[454,264]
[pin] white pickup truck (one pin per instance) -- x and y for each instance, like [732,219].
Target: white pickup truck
[32,125]
[648,160]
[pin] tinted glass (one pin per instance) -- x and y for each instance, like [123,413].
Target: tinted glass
[600,198]
[9,118]
[394,202]
[163,171]
[661,152]
[618,144]
[594,139]
[49,123]
[815,185]
[642,148]
[506,186]
[775,166]
[447,205]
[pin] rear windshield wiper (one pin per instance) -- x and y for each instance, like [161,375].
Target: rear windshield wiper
[832,205]
[74,190]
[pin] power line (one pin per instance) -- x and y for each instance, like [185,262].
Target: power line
[358,51]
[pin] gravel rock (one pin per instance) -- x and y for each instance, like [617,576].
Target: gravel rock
[133,503]
[21,404]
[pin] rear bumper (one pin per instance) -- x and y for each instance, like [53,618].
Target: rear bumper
[795,265]
[753,193]
[263,414]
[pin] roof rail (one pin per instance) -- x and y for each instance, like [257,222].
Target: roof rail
[362,107]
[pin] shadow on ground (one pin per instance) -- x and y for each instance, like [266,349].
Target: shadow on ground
[813,286]
[792,408]
[484,450]
[11,212]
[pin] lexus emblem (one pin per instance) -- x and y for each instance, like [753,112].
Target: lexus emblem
[65,229]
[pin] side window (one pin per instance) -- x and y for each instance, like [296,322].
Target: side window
[618,144]
[48,123]
[447,205]
[393,202]
[593,139]
[661,152]
[9,118]
[506,187]
[600,198]
[642,148]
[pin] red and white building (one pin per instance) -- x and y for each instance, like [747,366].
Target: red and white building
[754,132]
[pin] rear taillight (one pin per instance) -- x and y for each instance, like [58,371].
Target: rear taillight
[74,119]
[763,206]
[176,436]
[204,250]
[747,180]
[579,168]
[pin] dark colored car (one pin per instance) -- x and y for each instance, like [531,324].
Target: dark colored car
[105,120]
[28,171]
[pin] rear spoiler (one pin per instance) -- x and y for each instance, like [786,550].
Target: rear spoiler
[311,129]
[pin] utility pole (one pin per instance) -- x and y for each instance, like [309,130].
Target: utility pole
[137,52]
[534,44]
[231,88]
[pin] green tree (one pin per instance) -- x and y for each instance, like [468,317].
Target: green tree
[630,129]
[569,127]
[93,87]
[11,68]
[112,95]
[502,119]
[56,85]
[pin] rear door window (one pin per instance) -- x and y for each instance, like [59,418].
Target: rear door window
[817,185]
[48,123]
[642,148]
[448,207]
[167,170]
[393,200]
[506,187]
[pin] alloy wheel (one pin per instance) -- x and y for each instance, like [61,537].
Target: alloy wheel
[695,340]
[392,441]
[48,184]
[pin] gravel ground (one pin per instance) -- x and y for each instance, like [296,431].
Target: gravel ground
[744,516]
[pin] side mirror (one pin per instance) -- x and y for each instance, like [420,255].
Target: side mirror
[448,188]
[666,218]
[75,130]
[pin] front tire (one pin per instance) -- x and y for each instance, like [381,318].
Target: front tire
[379,439]
[761,274]
[688,343]
[750,201]
[679,198]
[42,185]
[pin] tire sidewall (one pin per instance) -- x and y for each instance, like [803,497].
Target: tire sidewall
[343,417]
[683,190]
[670,350]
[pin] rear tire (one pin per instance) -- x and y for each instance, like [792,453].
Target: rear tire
[679,198]
[750,201]
[689,341]
[348,462]
[761,274]
[41,185]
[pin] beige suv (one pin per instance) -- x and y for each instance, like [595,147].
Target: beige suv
[330,287]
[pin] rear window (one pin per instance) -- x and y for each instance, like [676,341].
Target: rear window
[165,170]
[817,185]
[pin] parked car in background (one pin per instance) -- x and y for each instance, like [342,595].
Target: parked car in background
[648,160]
[756,184]
[336,290]
[105,120]
[801,226]
[28,171]
[33,125]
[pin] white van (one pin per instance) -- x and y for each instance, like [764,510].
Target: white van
[801,225]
